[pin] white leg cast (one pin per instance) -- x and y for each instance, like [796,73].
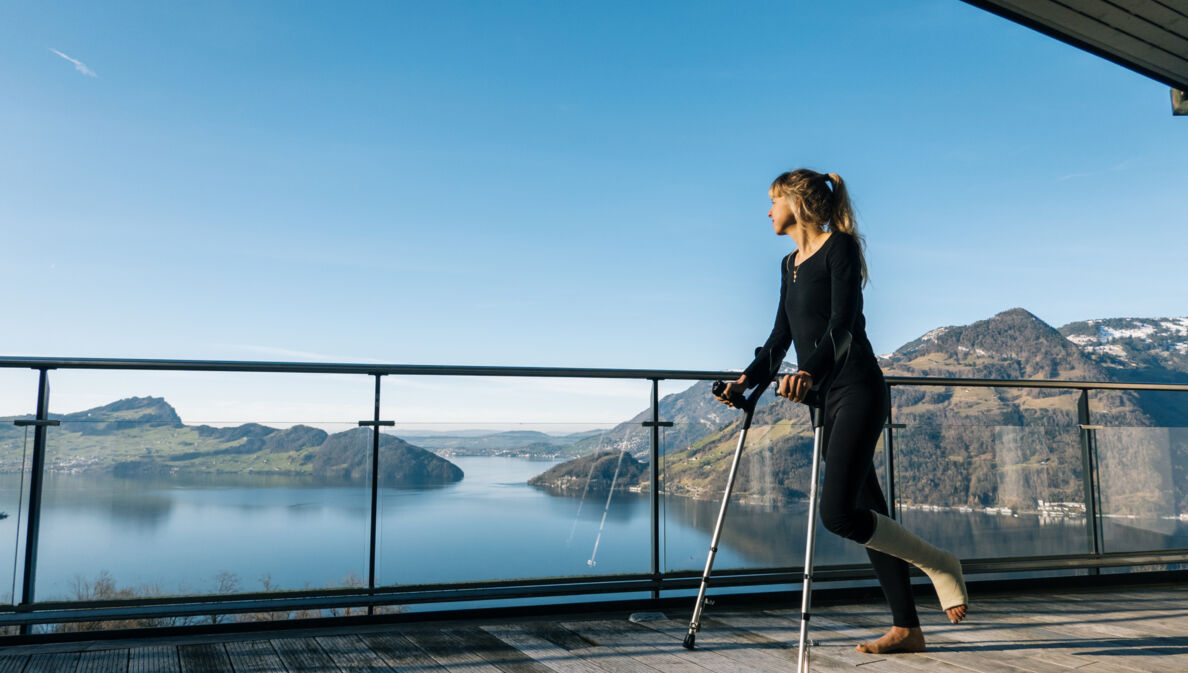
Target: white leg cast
[942,567]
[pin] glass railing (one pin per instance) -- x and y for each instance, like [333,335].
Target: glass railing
[190,488]
[1140,443]
[990,471]
[246,497]
[487,507]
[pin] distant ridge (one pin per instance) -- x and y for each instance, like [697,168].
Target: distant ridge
[591,474]
[140,436]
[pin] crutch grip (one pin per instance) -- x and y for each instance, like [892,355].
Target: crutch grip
[736,398]
[745,402]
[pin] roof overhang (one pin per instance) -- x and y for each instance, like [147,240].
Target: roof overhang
[1149,37]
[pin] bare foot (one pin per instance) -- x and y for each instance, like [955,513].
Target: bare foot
[956,614]
[898,639]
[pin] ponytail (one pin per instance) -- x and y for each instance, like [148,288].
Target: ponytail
[842,219]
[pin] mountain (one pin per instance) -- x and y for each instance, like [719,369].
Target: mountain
[974,446]
[348,455]
[1140,350]
[694,413]
[515,442]
[1014,344]
[596,473]
[145,436]
[123,415]
[1135,349]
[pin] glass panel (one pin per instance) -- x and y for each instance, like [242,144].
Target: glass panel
[18,397]
[477,516]
[990,472]
[165,484]
[1142,454]
[766,521]
[1139,505]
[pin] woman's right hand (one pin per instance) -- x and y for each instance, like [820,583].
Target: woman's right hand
[737,386]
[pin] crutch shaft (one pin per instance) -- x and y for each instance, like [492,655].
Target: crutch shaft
[802,657]
[695,623]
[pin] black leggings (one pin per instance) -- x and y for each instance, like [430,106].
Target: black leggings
[854,418]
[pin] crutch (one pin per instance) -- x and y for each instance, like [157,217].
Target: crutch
[815,400]
[747,404]
[817,417]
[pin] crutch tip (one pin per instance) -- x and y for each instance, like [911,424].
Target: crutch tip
[690,638]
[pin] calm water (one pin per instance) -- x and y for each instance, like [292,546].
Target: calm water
[187,535]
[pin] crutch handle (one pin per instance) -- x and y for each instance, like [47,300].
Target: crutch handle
[814,398]
[745,402]
[736,398]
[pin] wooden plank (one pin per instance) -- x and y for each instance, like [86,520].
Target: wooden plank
[915,661]
[1078,644]
[1041,643]
[400,653]
[352,654]
[1110,618]
[1157,614]
[1119,643]
[611,660]
[204,658]
[153,659]
[558,635]
[543,650]
[103,661]
[494,651]
[254,656]
[445,651]
[957,639]
[612,635]
[585,649]
[640,637]
[750,651]
[61,662]
[303,655]
[13,664]
[836,643]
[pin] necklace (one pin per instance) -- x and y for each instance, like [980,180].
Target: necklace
[796,267]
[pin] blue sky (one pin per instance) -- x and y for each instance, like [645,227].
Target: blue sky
[555,183]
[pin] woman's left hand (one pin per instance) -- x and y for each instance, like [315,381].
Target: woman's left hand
[795,386]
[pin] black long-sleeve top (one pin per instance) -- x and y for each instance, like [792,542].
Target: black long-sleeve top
[823,294]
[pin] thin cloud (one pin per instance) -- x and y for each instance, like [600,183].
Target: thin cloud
[78,65]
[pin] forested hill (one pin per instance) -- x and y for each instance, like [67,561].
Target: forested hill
[145,436]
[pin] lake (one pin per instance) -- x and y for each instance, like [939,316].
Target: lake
[227,533]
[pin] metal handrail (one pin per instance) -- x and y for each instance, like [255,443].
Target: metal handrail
[9,362]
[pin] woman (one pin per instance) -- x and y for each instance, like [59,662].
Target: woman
[820,311]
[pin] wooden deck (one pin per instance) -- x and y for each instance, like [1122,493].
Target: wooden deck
[1120,630]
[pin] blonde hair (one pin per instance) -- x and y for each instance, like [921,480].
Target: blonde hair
[829,208]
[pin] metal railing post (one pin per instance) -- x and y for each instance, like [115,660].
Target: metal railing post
[655,494]
[889,459]
[374,424]
[374,488]
[655,424]
[1089,475]
[36,483]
